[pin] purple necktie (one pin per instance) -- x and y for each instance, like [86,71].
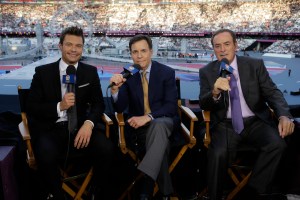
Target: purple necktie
[236,110]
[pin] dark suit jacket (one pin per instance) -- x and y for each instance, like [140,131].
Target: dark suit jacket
[162,93]
[45,93]
[258,89]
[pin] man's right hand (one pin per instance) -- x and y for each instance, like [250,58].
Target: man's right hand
[67,101]
[118,81]
[221,84]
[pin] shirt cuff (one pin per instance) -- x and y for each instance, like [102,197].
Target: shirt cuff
[59,113]
[217,98]
[115,97]
[90,122]
[149,115]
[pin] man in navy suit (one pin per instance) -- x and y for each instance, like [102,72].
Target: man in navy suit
[152,126]
[47,106]
[257,93]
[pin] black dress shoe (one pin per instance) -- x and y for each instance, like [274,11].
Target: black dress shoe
[147,187]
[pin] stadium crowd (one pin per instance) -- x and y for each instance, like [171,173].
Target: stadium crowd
[241,16]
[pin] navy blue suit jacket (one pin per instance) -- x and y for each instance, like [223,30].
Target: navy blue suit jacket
[162,93]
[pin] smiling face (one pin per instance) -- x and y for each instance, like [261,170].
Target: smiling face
[71,49]
[224,46]
[141,53]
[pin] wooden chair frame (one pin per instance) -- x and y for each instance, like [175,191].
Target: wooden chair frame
[69,183]
[239,178]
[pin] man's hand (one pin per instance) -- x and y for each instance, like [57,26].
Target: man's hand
[285,126]
[83,136]
[118,81]
[67,101]
[221,84]
[137,122]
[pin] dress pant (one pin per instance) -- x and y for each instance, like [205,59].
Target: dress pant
[222,150]
[154,144]
[49,146]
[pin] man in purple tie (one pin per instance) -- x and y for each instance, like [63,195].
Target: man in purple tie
[238,92]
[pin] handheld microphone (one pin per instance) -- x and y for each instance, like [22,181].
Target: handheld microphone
[129,70]
[225,68]
[70,78]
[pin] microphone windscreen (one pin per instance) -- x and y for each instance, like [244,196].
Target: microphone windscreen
[225,60]
[225,67]
[71,70]
[132,69]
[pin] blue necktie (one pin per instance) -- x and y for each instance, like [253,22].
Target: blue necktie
[236,110]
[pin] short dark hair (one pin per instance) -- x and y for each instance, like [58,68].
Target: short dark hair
[137,38]
[73,30]
[223,31]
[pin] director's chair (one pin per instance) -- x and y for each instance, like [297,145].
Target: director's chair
[239,173]
[187,122]
[74,185]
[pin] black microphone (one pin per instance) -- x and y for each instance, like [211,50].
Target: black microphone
[70,78]
[225,68]
[129,70]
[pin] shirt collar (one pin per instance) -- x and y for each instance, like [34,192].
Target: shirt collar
[148,68]
[233,64]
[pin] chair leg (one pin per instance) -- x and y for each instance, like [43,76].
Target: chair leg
[129,188]
[232,194]
[84,184]
[81,188]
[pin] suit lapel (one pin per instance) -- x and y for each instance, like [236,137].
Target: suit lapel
[151,86]
[79,75]
[57,81]
[244,76]
[139,89]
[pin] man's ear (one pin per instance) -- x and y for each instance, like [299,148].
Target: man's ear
[60,46]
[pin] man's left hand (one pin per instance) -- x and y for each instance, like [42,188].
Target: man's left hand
[285,126]
[139,121]
[83,136]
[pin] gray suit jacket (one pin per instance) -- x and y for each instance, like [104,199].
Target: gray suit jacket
[258,89]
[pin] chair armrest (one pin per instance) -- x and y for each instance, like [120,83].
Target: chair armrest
[121,126]
[122,140]
[188,132]
[23,128]
[107,122]
[206,118]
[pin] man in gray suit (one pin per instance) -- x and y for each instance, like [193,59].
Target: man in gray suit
[151,113]
[254,93]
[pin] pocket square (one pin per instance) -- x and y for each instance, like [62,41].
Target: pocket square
[81,86]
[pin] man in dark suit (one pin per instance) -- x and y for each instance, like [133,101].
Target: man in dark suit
[256,93]
[150,113]
[48,103]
